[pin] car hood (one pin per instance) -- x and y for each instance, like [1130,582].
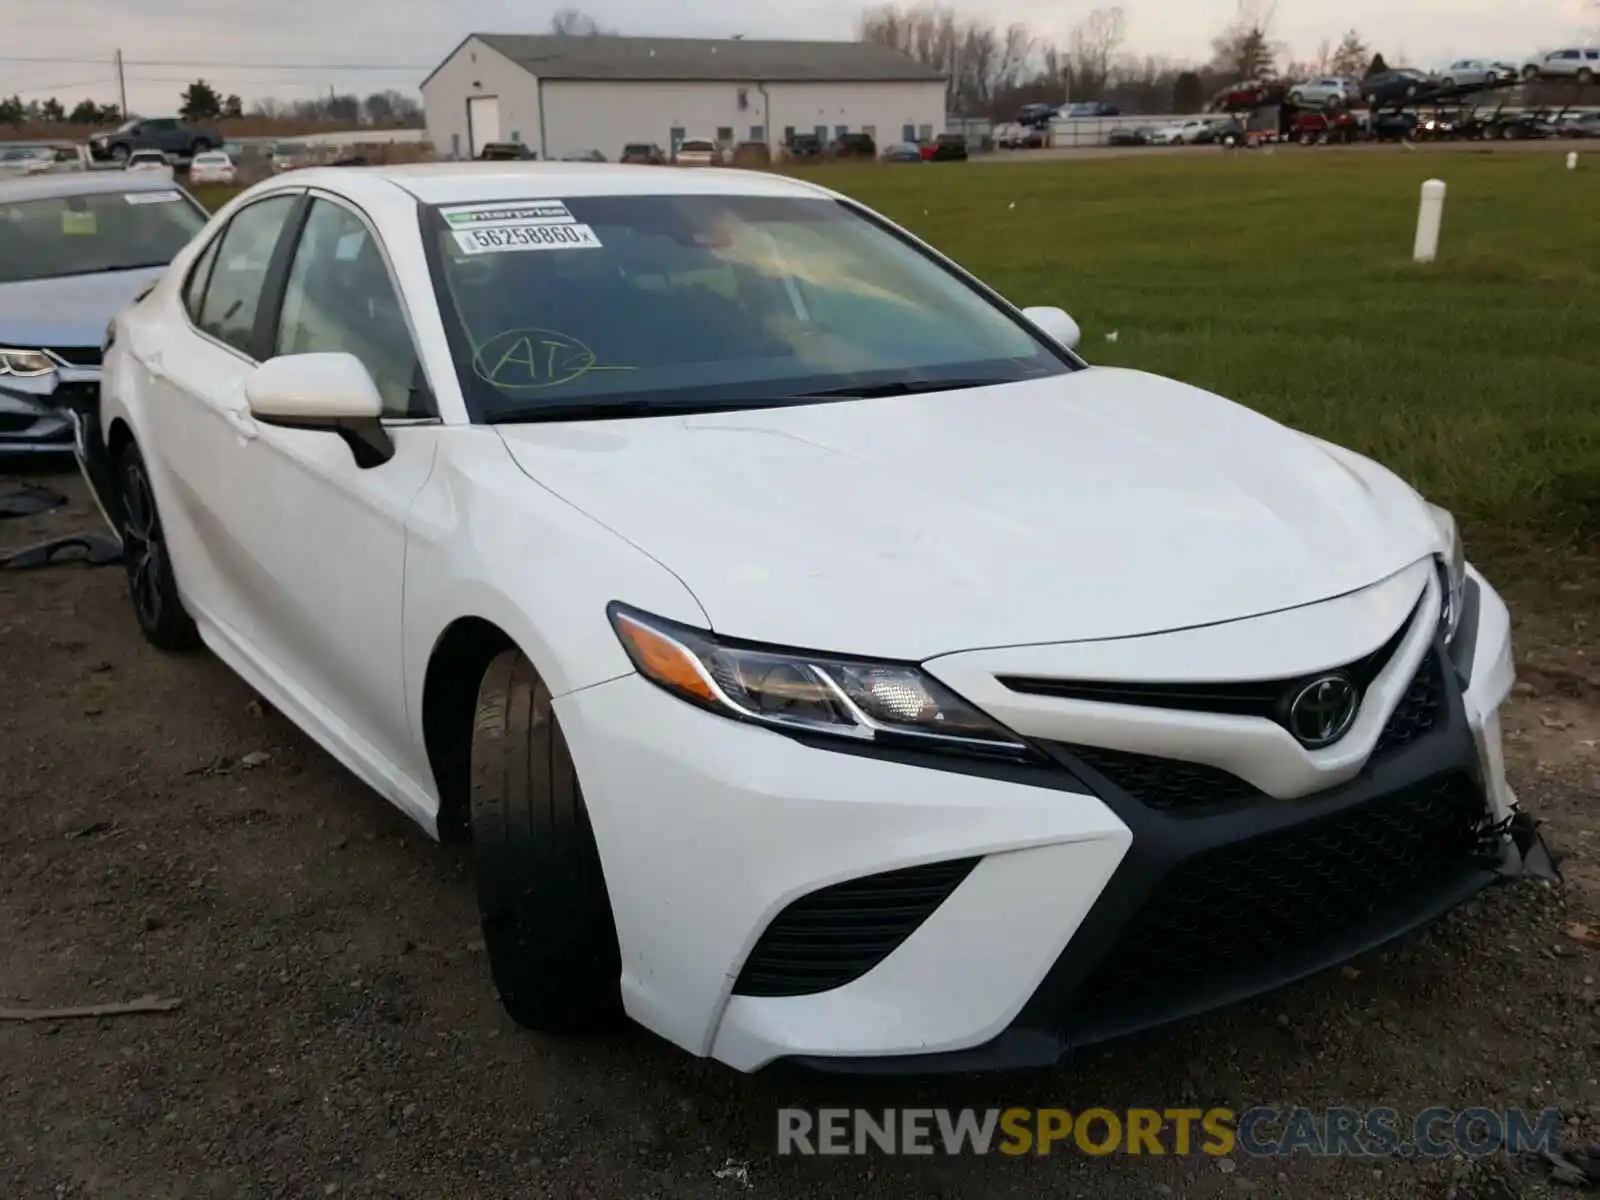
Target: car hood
[1101,504]
[70,311]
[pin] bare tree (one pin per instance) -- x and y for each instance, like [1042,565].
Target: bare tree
[1091,47]
[1324,56]
[1245,48]
[1352,56]
[574,22]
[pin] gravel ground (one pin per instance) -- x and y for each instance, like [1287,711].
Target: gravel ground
[338,1033]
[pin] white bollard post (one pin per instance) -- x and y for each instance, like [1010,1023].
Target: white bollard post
[1572,160]
[1430,215]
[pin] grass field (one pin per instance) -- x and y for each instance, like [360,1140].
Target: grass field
[1285,281]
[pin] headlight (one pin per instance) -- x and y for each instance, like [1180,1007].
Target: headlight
[25,363]
[1452,572]
[883,702]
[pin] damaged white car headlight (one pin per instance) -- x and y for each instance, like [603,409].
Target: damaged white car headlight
[1452,572]
[25,363]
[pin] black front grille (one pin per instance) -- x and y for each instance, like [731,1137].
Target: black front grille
[13,422]
[1227,910]
[836,935]
[1195,789]
[1419,709]
[77,356]
[1268,698]
[1167,784]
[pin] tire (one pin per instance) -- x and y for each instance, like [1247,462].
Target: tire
[120,152]
[1297,99]
[1447,83]
[1585,76]
[152,586]
[1322,138]
[1372,99]
[546,915]
[1530,73]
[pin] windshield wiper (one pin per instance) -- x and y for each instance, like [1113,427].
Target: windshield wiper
[902,387]
[607,410]
[118,267]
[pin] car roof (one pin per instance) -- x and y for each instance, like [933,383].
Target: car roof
[84,183]
[467,183]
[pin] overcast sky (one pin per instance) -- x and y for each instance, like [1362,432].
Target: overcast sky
[249,44]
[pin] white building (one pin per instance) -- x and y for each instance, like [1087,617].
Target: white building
[566,95]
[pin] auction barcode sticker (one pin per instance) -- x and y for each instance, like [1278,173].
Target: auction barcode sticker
[499,239]
[531,212]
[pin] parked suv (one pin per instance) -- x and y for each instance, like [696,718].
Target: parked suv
[166,134]
[1579,64]
[853,145]
[644,153]
[1330,91]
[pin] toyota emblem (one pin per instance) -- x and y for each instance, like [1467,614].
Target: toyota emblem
[1323,710]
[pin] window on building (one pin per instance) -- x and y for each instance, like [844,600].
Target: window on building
[675,137]
[724,134]
[840,130]
[788,134]
[908,133]
[926,134]
[821,131]
[871,131]
[758,133]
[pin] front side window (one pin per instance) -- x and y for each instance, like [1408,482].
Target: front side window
[94,234]
[596,303]
[233,292]
[339,297]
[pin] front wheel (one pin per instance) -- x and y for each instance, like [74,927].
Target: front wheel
[1530,73]
[201,145]
[120,153]
[1585,76]
[152,586]
[546,914]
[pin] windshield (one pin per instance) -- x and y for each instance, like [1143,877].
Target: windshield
[89,234]
[591,305]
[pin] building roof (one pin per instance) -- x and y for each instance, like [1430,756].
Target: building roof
[713,59]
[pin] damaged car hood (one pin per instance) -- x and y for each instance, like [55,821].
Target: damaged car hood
[71,311]
[1101,504]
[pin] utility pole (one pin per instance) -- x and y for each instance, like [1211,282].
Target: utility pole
[122,87]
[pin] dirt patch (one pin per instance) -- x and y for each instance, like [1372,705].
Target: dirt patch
[162,833]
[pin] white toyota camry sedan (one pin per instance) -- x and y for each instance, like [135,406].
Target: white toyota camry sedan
[827,665]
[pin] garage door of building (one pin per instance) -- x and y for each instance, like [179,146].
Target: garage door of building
[483,121]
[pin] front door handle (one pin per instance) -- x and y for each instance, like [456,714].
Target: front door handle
[243,423]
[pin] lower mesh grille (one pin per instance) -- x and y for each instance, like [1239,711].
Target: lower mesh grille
[1419,709]
[836,935]
[1166,784]
[1230,909]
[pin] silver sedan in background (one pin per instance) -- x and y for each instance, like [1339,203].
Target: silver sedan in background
[75,249]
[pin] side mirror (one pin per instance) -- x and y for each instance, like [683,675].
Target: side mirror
[331,392]
[1054,323]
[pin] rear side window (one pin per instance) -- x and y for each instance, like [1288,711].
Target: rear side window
[233,292]
[194,289]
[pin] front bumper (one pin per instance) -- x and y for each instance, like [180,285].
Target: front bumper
[36,413]
[1088,913]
